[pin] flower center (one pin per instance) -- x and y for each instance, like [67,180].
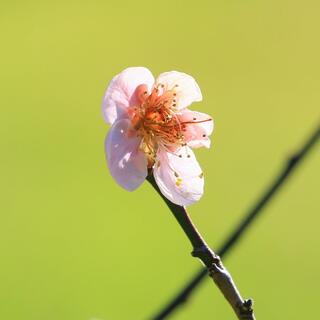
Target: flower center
[155,121]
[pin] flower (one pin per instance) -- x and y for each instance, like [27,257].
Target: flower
[152,128]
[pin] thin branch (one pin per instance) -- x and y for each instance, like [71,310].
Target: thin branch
[220,275]
[243,226]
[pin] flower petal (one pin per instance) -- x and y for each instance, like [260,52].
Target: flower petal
[185,87]
[199,126]
[120,92]
[127,164]
[180,179]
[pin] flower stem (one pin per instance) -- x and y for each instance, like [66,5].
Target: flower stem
[219,274]
[293,162]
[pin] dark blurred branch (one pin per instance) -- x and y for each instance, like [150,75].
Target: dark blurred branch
[249,217]
[219,274]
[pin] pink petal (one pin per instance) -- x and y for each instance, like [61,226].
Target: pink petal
[179,179]
[199,126]
[185,86]
[120,92]
[127,164]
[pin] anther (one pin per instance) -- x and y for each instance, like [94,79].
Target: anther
[204,135]
[188,156]
[180,156]
[178,182]
[194,119]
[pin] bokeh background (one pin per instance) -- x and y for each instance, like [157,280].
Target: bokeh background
[73,244]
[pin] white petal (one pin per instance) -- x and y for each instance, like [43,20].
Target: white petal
[120,92]
[179,179]
[127,164]
[184,85]
[198,128]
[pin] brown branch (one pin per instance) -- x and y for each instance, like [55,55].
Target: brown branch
[244,224]
[219,274]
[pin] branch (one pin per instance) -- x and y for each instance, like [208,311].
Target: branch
[219,274]
[243,226]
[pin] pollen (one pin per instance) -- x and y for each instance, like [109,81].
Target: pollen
[178,182]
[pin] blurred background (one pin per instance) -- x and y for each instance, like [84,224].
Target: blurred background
[74,245]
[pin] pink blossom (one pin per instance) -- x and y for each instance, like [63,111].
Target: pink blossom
[152,129]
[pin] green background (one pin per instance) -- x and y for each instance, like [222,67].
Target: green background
[73,244]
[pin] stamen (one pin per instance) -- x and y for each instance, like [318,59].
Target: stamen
[193,122]
[157,124]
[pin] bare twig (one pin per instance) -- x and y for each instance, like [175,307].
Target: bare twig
[243,226]
[220,275]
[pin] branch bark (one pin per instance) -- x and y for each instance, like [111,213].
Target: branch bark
[217,271]
[244,224]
